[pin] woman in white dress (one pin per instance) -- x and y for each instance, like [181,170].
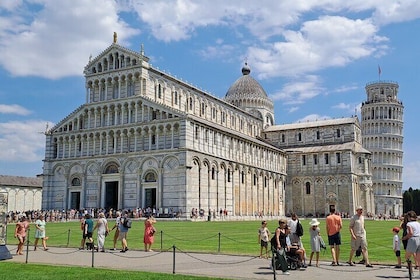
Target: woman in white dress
[102,227]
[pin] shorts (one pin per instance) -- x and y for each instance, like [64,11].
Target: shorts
[398,253]
[359,242]
[122,235]
[334,239]
[413,245]
[87,235]
[264,243]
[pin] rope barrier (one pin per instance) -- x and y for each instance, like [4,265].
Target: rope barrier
[220,263]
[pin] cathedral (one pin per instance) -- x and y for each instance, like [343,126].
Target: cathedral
[145,138]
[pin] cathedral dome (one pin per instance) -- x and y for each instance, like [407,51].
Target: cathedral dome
[247,94]
[245,87]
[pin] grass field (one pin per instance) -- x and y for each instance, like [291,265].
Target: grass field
[224,237]
[12,270]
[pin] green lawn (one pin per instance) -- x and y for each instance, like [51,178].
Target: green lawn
[224,237]
[10,270]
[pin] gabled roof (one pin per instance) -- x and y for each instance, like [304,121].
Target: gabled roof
[20,181]
[113,48]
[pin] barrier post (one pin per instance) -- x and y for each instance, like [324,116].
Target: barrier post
[68,238]
[218,249]
[173,259]
[93,256]
[27,245]
[161,240]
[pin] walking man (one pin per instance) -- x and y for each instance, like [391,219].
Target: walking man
[358,236]
[334,225]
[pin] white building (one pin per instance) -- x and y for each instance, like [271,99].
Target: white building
[382,130]
[23,193]
[145,138]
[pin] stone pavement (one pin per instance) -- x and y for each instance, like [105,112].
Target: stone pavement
[209,265]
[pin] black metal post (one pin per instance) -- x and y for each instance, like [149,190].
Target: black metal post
[218,249]
[173,259]
[161,240]
[68,238]
[93,255]
[27,245]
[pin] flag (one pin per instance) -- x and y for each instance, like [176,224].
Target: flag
[379,70]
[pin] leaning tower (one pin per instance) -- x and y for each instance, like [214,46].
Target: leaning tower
[382,134]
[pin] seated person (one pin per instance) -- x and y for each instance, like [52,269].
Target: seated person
[295,249]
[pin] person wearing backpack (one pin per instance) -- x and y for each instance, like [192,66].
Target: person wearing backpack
[279,246]
[123,227]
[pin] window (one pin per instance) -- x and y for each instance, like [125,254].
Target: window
[338,157]
[318,135]
[303,159]
[111,169]
[159,91]
[228,175]
[213,173]
[75,182]
[176,98]
[326,158]
[283,138]
[300,136]
[360,160]
[242,177]
[191,104]
[308,188]
[150,177]
[153,139]
[338,133]
[315,159]
[197,132]
[255,179]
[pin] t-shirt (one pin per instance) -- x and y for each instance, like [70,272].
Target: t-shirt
[334,224]
[396,243]
[263,232]
[89,224]
[415,226]
[357,223]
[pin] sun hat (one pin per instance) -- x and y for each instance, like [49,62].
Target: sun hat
[359,208]
[314,222]
[396,229]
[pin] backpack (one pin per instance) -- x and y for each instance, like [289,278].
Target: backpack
[299,229]
[126,223]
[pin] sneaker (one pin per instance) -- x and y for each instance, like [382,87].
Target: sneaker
[286,273]
[369,265]
[126,249]
[397,266]
[122,251]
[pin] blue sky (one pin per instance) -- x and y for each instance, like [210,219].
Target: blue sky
[313,58]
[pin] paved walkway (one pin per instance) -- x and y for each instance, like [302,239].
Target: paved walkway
[210,265]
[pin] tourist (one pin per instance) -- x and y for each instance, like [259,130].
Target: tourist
[20,233]
[413,237]
[117,229]
[149,233]
[263,238]
[102,227]
[358,236]
[334,225]
[87,232]
[123,231]
[396,245]
[314,233]
[40,233]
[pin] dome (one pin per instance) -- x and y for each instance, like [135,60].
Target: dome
[247,94]
[245,87]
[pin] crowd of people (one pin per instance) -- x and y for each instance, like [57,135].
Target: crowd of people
[286,241]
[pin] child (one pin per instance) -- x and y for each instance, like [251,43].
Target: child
[263,238]
[396,245]
[315,242]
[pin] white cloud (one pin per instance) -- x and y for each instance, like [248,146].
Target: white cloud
[293,109]
[56,41]
[329,41]
[297,92]
[14,109]
[22,141]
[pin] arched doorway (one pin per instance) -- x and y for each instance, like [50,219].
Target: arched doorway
[149,189]
[111,186]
